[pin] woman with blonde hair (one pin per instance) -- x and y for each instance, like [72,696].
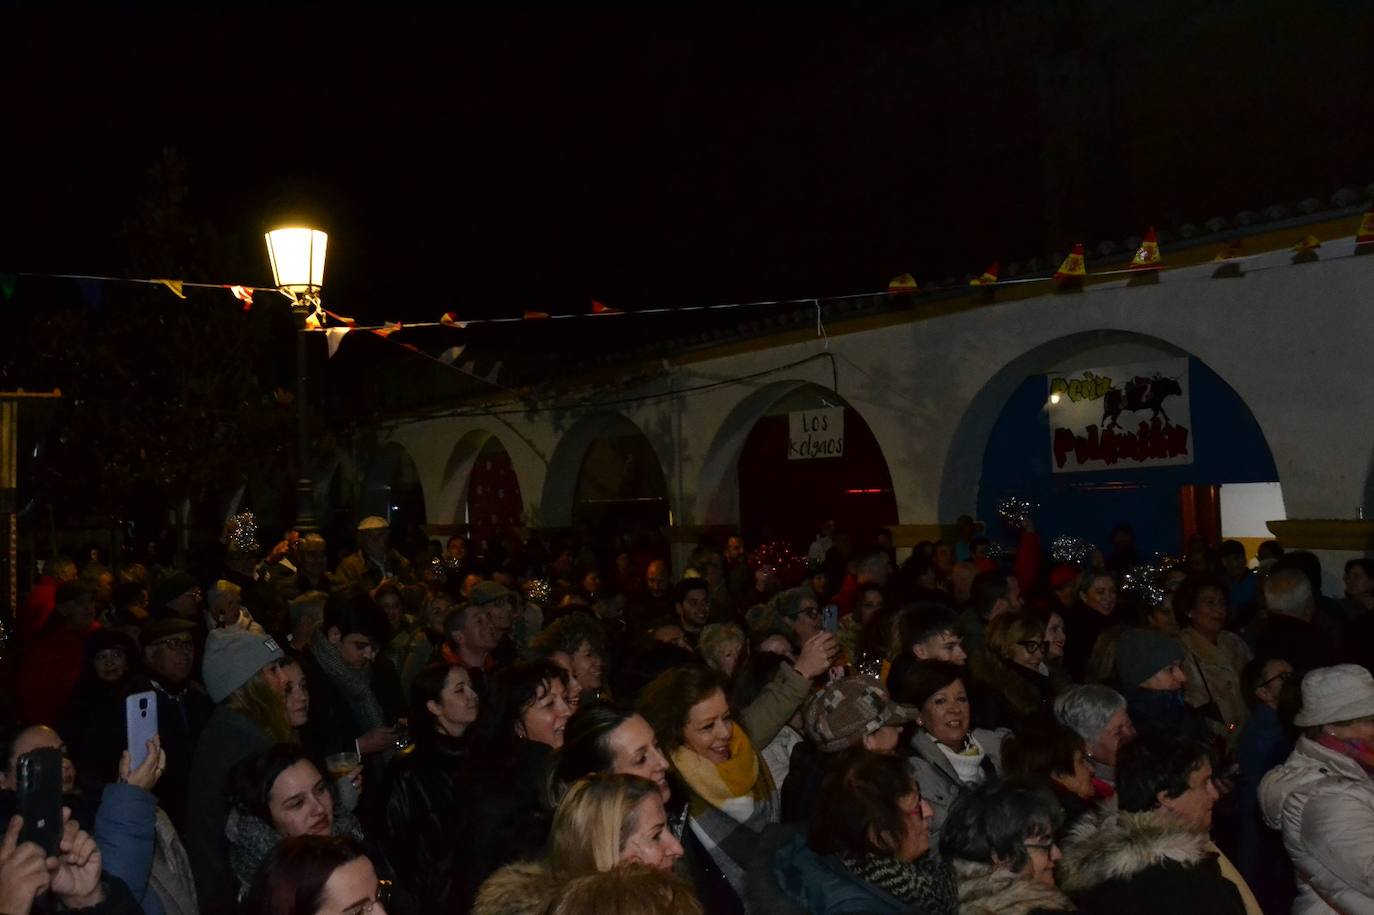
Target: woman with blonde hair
[1011,680]
[602,822]
[243,675]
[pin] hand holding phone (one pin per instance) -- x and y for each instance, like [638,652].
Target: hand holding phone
[147,773]
[39,790]
[23,871]
[140,721]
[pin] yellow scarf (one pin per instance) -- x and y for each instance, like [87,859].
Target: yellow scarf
[717,783]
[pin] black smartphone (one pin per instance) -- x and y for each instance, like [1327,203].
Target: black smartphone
[39,789]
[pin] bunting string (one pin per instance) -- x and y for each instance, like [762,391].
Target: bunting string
[1072,271]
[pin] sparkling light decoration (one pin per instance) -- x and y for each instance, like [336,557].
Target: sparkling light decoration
[778,556]
[538,590]
[1143,581]
[1015,511]
[1070,549]
[243,534]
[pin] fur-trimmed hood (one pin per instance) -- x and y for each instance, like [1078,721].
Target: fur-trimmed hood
[524,888]
[986,889]
[1022,692]
[1109,844]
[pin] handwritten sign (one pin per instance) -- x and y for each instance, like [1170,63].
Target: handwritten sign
[1124,416]
[815,434]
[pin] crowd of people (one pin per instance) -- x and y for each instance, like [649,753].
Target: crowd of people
[545,728]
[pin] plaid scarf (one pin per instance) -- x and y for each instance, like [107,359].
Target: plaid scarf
[730,804]
[356,685]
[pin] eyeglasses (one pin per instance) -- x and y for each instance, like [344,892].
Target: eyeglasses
[1283,676]
[812,612]
[1035,647]
[1044,845]
[383,899]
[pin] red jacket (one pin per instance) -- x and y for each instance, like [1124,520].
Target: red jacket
[38,606]
[48,675]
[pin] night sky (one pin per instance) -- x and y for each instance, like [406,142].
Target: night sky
[497,165]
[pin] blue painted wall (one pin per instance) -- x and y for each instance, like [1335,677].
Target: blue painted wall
[1227,445]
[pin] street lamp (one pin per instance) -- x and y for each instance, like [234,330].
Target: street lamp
[297,256]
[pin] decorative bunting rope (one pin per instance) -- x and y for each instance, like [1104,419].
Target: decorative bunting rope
[1072,271]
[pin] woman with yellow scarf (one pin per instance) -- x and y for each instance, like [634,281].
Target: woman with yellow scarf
[728,797]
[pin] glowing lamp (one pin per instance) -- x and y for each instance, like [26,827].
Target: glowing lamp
[297,256]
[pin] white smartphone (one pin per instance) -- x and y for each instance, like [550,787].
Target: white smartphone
[140,723]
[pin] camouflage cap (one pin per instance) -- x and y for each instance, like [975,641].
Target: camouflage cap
[845,712]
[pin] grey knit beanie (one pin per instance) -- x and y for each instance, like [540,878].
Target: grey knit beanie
[1142,653]
[232,656]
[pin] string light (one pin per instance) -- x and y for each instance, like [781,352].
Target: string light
[243,534]
[1015,511]
[1070,550]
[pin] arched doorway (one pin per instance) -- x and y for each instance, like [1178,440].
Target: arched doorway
[810,458]
[1216,479]
[620,487]
[492,504]
[392,490]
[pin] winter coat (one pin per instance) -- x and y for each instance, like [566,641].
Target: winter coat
[939,783]
[1165,712]
[1214,676]
[821,885]
[1004,694]
[357,573]
[511,812]
[763,718]
[49,673]
[987,889]
[1119,863]
[1082,626]
[427,823]
[228,738]
[1324,803]
[526,888]
[333,726]
[139,845]
[1259,853]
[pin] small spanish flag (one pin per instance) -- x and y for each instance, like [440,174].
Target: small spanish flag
[1310,243]
[1147,255]
[387,329]
[174,285]
[1073,267]
[1365,234]
[904,283]
[1230,252]
[244,294]
[989,277]
[450,319]
[600,309]
[536,316]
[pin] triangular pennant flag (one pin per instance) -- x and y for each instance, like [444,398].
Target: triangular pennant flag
[387,329]
[536,316]
[450,355]
[174,285]
[1310,243]
[450,319]
[244,295]
[904,283]
[1363,236]
[333,337]
[1230,252]
[1147,255]
[312,320]
[346,321]
[7,283]
[600,309]
[1073,267]
[989,277]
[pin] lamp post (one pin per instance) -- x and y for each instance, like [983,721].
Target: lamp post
[297,256]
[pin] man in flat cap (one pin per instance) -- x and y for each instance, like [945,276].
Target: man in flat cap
[374,562]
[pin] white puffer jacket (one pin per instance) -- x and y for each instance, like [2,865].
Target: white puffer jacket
[1323,802]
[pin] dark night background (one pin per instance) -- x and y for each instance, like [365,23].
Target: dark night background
[495,165]
[491,166]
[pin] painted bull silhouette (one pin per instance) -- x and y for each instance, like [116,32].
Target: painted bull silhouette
[1139,394]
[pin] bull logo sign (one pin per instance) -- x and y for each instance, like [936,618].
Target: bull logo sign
[1120,416]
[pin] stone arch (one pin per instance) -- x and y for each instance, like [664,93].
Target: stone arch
[393,489]
[717,499]
[559,495]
